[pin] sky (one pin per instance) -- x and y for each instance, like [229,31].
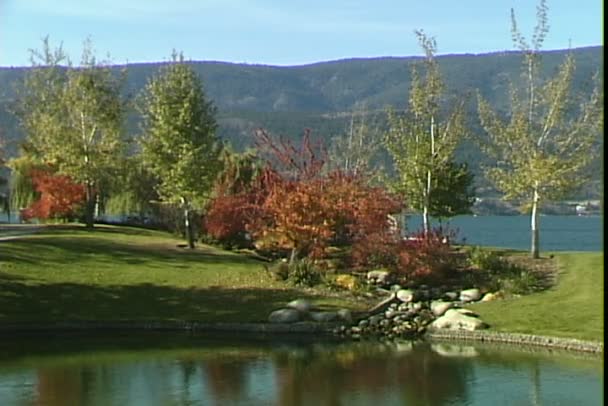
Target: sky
[283,32]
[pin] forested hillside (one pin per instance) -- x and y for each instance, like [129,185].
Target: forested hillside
[285,100]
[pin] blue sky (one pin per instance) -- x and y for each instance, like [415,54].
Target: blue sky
[283,32]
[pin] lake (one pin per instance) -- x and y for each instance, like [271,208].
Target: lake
[182,369]
[557,233]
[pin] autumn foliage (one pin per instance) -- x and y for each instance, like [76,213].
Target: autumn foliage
[292,205]
[60,197]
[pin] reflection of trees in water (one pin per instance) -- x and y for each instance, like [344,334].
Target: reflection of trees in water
[428,378]
[225,378]
[419,377]
[63,386]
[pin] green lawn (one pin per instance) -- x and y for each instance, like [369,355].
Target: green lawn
[573,308]
[120,273]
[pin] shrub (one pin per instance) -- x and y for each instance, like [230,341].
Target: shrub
[485,259]
[226,220]
[303,272]
[426,258]
[60,197]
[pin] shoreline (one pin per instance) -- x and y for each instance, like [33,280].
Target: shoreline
[319,330]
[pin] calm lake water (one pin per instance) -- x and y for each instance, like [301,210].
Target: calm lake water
[190,370]
[557,233]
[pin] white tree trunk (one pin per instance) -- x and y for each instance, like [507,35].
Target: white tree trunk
[534,226]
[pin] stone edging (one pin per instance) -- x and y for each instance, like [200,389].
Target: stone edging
[310,328]
[256,328]
[519,339]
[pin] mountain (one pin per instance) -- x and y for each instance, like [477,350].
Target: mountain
[285,100]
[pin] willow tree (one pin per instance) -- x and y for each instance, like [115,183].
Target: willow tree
[73,117]
[423,140]
[544,145]
[179,142]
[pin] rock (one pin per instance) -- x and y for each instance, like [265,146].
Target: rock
[470,295]
[405,295]
[380,277]
[467,312]
[439,307]
[451,295]
[488,297]
[284,316]
[345,315]
[375,320]
[324,317]
[457,319]
[301,305]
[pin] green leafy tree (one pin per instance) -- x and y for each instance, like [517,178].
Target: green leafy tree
[179,142]
[544,145]
[453,193]
[73,117]
[423,140]
[134,190]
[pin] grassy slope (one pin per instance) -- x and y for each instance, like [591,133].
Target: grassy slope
[126,274]
[122,274]
[573,308]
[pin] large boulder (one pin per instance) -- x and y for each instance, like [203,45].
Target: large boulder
[284,316]
[470,295]
[491,296]
[439,307]
[301,305]
[324,317]
[458,319]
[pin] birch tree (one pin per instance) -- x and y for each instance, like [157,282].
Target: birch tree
[357,150]
[423,140]
[72,117]
[179,142]
[544,145]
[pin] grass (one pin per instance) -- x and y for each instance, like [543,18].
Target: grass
[120,273]
[573,308]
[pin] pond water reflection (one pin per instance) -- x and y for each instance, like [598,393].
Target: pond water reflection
[194,370]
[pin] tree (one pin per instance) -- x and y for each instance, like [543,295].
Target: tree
[420,143]
[179,143]
[453,193]
[73,118]
[545,143]
[305,209]
[134,190]
[356,151]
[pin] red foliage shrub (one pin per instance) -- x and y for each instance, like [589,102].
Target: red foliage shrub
[425,258]
[60,197]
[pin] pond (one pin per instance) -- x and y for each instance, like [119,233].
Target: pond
[185,369]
